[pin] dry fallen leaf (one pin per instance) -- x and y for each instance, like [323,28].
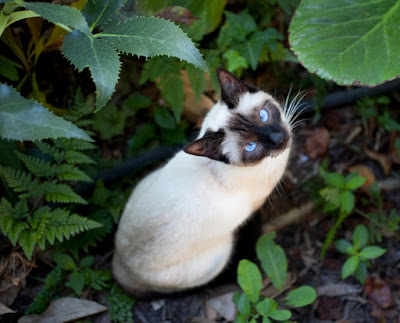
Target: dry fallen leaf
[5,310]
[64,310]
[339,289]
[223,305]
[379,291]
[177,14]
[329,308]
[384,160]
[317,142]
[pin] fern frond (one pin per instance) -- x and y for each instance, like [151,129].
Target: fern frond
[59,193]
[27,240]
[120,305]
[11,219]
[69,172]
[37,166]
[50,150]
[82,145]
[52,283]
[97,279]
[76,157]
[20,182]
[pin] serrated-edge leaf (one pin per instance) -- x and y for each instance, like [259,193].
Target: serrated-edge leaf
[64,261]
[37,166]
[27,241]
[99,56]
[150,36]
[60,193]
[23,119]
[71,173]
[59,14]
[98,12]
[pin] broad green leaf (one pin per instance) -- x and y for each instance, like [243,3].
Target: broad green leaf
[360,237]
[265,319]
[137,102]
[280,315]
[266,306]
[142,135]
[344,246]
[76,282]
[86,261]
[347,201]
[332,196]
[109,122]
[22,119]
[149,36]
[249,279]
[97,12]
[240,318]
[244,305]
[354,181]
[301,296]
[101,59]
[64,261]
[372,252]
[273,259]
[59,14]
[350,42]
[350,266]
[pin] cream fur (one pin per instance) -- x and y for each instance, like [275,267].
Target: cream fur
[176,231]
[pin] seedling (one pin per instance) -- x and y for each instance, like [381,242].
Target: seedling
[359,254]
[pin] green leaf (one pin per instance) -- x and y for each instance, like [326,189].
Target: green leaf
[64,261]
[344,246]
[347,201]
[350,266]
[273,259]
[141,136]
[252,47]
[265,319]
[361,272]
[301,296]
[149,36]
[137,102]
[266,306]
[210,14]
[244,305]
[164,119]
[241,24]
[59,14]
[360,237]
[249,279]
[23,119]
[8,69]
[68,172]
[349,42]
[354,181]
[371,252]
[76,282]
[234,60]
[280,315]
[100,57]
[27,239]
[86,261]
[109,122]
[98,12]
[335,179]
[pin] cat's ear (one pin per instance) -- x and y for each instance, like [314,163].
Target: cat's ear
[231,87]
[208,146]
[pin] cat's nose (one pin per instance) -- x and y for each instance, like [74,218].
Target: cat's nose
[276,137]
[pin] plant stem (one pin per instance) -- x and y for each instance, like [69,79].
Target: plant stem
[332,233]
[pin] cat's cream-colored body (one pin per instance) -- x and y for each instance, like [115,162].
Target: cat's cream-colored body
[177,229]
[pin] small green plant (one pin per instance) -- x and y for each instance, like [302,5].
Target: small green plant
[381,222]
[120,305]
[81,274]
[253,306]
[52,284]
[337,197]
[359,253]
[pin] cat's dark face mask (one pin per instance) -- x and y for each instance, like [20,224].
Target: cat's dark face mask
[252,131]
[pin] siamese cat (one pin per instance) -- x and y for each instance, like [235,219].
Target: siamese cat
[177,229]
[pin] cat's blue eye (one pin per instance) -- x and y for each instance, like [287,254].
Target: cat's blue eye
[250,146]
[264,115]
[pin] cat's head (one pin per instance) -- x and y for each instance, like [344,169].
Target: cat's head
[244,127]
